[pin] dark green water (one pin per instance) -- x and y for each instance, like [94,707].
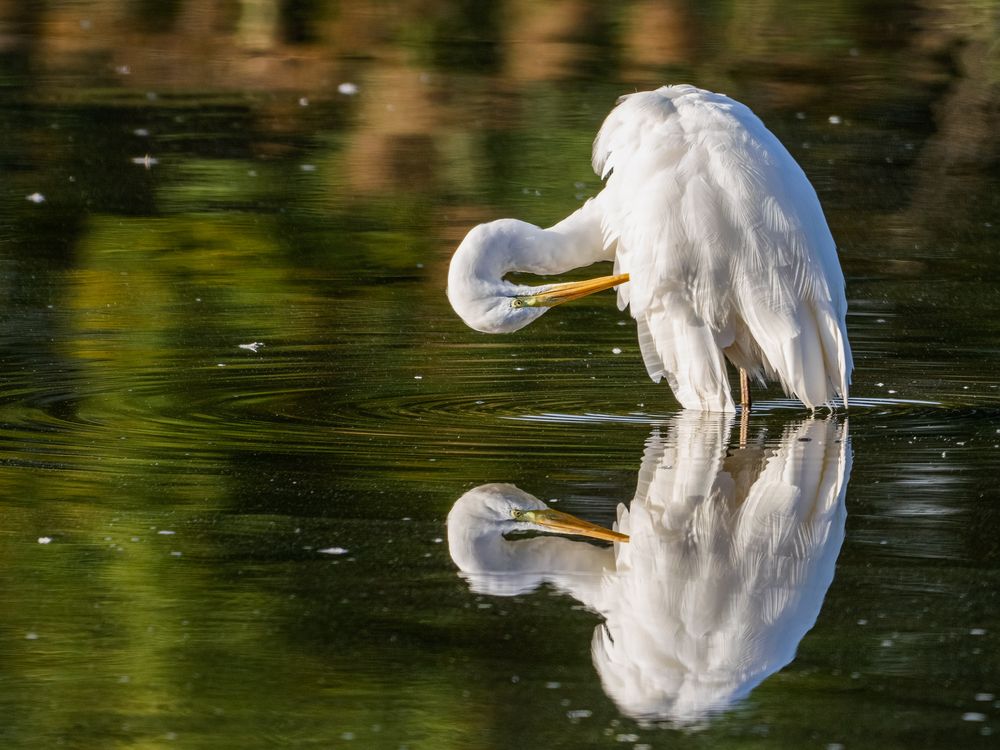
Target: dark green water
[208,542]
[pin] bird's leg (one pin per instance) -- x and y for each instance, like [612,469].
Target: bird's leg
[744,390]
[744,407]
[744,427]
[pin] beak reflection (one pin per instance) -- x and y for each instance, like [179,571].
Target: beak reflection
[564,523]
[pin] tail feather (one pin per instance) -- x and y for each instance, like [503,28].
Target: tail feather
[678,346]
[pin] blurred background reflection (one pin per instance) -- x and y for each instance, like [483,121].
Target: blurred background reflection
[236,408]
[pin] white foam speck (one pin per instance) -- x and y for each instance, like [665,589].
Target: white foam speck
[31,636]
[35,198]
[973,716]
[44,539]
[347,88]
[165,532]
[334,551]
[253,346]
[977,631]
[616,350]
[835,119]
[983,697]
[579,713]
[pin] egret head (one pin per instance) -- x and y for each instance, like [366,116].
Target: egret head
[479,527]
[503,508]
[488,302]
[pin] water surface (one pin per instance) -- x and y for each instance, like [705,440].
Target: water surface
[236,409]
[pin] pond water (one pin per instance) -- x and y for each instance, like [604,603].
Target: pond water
[236,409]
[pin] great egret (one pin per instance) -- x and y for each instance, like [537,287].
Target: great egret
[478,525]
[730,555]
[719,243]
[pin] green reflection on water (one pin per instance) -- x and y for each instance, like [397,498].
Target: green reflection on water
[204,185]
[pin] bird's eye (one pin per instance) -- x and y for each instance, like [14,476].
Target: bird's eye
[517,302]
[516,513]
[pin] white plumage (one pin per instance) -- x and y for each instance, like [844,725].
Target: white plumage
[731,553]
[725,244]
[730,558]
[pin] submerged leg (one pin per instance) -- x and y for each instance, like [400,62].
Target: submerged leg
[744,426]
[744,390]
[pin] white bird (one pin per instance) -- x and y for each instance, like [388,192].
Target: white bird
[730,555]
[720,248]
[478,527]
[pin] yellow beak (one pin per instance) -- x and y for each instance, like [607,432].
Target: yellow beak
[571,290]
[564,523]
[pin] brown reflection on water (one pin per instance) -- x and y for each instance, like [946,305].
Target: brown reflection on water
[428,72]
[954,165]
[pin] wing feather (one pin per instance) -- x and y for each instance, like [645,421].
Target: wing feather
[706,207]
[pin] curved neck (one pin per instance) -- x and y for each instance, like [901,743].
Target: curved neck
[574,242]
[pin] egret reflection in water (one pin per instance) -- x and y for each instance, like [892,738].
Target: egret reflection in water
[730,556]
